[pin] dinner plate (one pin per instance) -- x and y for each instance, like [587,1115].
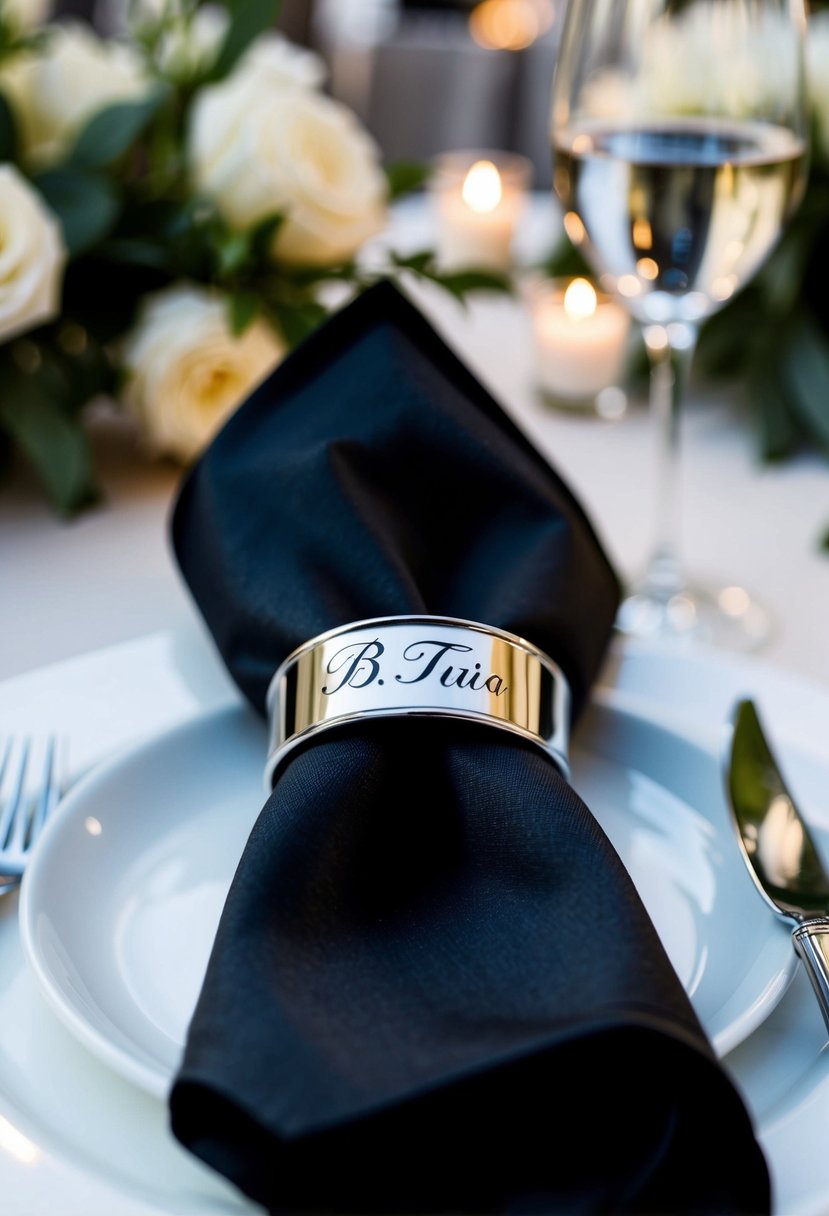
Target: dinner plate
[121,901]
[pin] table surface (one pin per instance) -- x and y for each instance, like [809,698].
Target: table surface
[109,575]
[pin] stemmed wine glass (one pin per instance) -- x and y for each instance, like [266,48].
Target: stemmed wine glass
[680,151]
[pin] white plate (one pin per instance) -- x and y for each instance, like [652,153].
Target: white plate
[121,902]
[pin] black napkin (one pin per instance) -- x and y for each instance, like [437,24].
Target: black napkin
[434,987]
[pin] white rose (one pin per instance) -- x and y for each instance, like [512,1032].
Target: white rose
[817,63]
[678,75]
[271,63]
[295,151]
[57,89]
[273,60]
[191,45]
[187,373]
[25,14]
[32,257]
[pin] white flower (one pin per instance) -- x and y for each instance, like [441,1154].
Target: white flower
[295,151]
[187,373]
[678,75]
[32,257]
[191,45]
[273,60]
[57,89]
[270,64]
[681,76]
[817,63]
[25,14]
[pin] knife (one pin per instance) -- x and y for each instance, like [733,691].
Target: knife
[778,850]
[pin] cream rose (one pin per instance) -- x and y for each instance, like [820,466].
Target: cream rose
[25,14]
[186,372]
[680,76]
[257,145]
[56,90]
[191,45]
[32,257]
[270,64]
[273,60]
[677,75]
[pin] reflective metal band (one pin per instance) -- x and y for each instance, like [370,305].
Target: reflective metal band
[418,666]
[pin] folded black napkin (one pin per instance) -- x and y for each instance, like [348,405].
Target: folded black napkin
[434,987]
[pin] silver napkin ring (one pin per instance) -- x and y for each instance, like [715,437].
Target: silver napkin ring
[418,666]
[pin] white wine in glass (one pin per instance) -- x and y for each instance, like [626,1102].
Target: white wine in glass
[680,152]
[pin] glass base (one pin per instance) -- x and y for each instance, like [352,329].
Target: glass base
[609,403]
[725,617]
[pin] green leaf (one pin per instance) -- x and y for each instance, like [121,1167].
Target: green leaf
[243,307]
[824,544]
[776,429]
[248,19]
[233,253]
[302,278]
[422,262]
[461,282]
[728,339]
[8,130]
[805,360]
[111,132]
[55,443]
[133,251]
[297,321]
[782,276]
[404,177]
[263,235]
[85,203]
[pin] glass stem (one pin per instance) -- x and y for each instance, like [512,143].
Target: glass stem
[670,352]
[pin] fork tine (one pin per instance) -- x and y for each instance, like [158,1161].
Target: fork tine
[48,793]
[4,759]
[11,819]
[26,806]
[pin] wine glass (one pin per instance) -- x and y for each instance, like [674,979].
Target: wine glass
[679,132]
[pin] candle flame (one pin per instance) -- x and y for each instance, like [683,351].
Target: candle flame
[580,300]
[510,25]
[482,189]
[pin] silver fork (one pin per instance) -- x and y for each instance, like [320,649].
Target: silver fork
[25,804]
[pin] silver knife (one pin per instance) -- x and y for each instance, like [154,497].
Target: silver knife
[779,852]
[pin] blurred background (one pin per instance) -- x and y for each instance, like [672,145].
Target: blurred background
[425,76]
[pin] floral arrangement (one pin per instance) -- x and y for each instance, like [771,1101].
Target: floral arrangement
[772,337]
[177,205]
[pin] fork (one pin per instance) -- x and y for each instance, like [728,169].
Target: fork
[24,806]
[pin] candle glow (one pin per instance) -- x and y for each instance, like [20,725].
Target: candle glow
[482,190]
[478,198]
[580,342]
[580,300]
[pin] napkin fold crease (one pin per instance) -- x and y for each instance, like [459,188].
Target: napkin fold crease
[434,987]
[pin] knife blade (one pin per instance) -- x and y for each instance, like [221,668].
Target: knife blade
[777,847]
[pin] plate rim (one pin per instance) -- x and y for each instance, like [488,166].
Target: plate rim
[152,1076]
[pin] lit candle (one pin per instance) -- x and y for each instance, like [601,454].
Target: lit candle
[478,200]
[580,345]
